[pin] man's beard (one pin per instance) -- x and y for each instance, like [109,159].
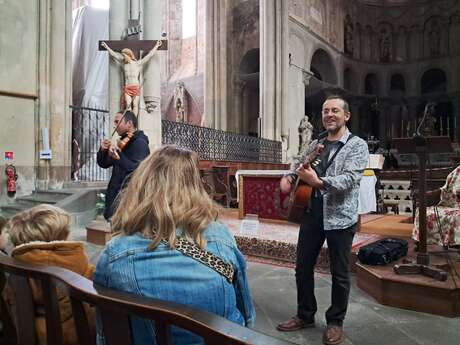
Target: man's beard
[336,130]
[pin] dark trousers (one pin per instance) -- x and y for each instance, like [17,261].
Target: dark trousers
[311,239]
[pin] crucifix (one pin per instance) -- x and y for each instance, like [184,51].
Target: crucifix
[127,54]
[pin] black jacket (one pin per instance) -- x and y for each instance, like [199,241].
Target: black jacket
[130,157]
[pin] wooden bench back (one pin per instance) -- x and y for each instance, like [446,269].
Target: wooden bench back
[19,281]
[116,308]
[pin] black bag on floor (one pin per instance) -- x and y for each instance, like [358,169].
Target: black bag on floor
[383,251]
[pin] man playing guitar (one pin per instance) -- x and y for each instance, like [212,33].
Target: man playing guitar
[332,216]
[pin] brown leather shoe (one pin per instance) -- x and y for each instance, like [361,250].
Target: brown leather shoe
[294,324]
[333,335]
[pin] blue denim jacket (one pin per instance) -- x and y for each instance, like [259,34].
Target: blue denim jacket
[127,265]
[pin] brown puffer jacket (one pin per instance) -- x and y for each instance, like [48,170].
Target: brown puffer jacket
[66,254]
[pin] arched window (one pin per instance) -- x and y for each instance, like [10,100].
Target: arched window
[434,80]
[349,80]
[322,67]
[371,85]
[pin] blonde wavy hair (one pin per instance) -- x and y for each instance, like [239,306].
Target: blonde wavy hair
[165,192]
[40,223]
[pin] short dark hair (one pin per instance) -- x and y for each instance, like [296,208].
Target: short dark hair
[130,117]
[346,106]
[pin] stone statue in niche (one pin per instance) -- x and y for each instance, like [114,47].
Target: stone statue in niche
[305,133]
[434,37]
[348,36]
[430,120]
[385,45]
[180,102]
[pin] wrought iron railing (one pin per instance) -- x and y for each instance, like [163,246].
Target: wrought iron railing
[89,127]
[212,144]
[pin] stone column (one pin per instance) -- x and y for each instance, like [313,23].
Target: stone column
[283,70]
[150,115]
[55,91]
[267,68]
[118,22]
[215,71]
[135,8]
[273,67]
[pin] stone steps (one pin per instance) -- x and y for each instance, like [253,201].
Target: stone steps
[80,203]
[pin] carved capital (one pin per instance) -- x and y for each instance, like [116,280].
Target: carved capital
[152,103]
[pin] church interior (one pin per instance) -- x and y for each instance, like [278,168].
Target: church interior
[242,83]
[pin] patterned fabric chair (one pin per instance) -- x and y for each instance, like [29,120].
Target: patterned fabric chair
[443,218]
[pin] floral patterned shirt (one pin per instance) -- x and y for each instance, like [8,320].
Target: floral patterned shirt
[341,181]
[450,192]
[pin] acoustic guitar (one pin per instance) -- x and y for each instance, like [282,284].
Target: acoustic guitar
[300,195]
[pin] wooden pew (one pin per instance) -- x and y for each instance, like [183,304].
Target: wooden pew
[115,309]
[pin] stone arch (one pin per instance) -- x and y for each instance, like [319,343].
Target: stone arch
[350,81]
[193,116]
[250,63]
[246,94]
[322,66]
[433,80]
[371,84]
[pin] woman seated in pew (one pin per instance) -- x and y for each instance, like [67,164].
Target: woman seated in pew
[443,220]
[171,246]
[40,236]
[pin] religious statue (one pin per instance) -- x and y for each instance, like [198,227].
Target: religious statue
[305,133]
[348,36]
[132,69]
[430,120]
[385,45]
[180,103]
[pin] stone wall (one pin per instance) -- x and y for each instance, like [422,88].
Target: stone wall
[18,74]
[35,91]
[359,40]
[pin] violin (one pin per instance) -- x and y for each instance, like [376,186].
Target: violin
[122,144]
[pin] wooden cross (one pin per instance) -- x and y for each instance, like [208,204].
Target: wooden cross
[132,41]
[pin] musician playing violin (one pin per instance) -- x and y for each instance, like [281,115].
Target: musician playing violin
[123,157]
[332,217]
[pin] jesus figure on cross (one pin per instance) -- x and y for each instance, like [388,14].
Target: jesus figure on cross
[132,69]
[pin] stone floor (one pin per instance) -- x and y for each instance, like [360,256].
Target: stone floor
[367,323]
